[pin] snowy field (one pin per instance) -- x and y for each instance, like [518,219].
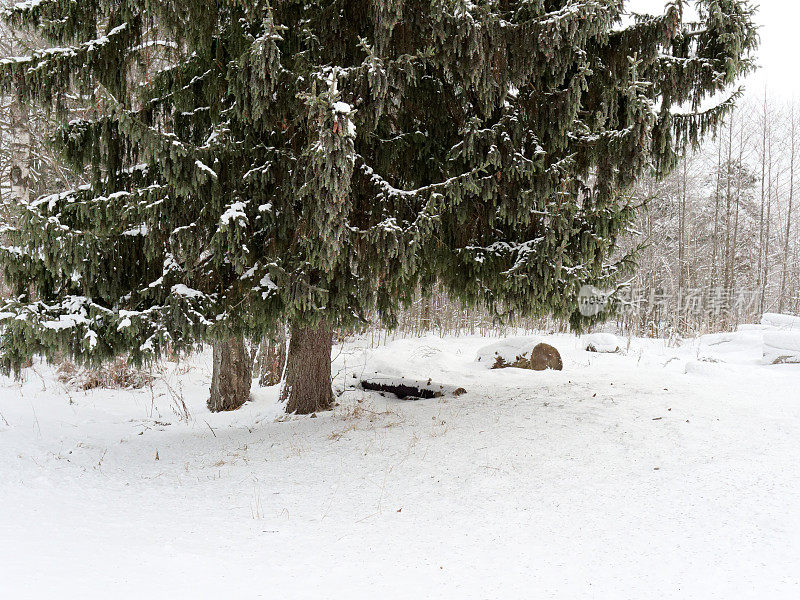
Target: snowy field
[660,472]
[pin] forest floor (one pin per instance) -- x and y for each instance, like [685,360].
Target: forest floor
[661,472]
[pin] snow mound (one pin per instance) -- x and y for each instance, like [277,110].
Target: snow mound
[726,337]
[744,327]
[781,347]
[603,342]
[510,350]
[734,341]
[705,368]
[781,321]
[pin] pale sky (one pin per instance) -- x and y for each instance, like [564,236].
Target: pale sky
[779,53]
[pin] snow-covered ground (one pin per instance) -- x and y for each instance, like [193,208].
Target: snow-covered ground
[658,472]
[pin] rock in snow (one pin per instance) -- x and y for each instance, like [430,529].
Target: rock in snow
[544,356]
[781,347]
[509,349]
[603,342]
[520,352]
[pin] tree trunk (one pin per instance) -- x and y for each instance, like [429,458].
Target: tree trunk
[307,388]
[272,359]
[715,243]
[765,131]
[232,375]
[728,205]
[792,140]
[20,151]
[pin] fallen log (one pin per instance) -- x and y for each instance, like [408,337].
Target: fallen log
[409,388]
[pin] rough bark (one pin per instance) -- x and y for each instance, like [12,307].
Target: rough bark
[232,375]
[307,388]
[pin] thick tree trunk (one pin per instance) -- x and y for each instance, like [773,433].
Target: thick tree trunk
[232,375]
[307,388]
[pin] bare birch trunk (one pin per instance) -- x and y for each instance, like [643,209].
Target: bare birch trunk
[792,136]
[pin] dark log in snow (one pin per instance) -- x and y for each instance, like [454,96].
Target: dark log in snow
[409,388]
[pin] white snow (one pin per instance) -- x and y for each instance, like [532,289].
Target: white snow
[781,321]
[782,347]
[234,212]
[268,286]
[91,337]
[205,168]
[342,107]
[65,322]
[621,476]
[140,229]
[509,349]
[185,291]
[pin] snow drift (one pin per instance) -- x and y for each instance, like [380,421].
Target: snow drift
[781,347]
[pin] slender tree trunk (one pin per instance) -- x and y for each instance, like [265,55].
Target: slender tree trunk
[21,153]
[765,216]
[232,375]
[307,388]
[715,246]
[764,183]
[683,315]
[787,237]
[272,359]
[767,230]
[728,204]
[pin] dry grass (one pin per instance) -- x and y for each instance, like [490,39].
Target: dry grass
[361,413]
[116,375]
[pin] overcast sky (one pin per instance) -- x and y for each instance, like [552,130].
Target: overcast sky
[779,54]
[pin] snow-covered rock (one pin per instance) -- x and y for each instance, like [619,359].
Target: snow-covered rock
[523,353]
[742,341]
[509,349]
[782,347]
[603,342]
[706,368]
[781,321]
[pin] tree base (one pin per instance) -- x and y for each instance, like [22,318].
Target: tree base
[232,375]
[307,388]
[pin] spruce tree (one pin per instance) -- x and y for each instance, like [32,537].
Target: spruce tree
[315,162]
